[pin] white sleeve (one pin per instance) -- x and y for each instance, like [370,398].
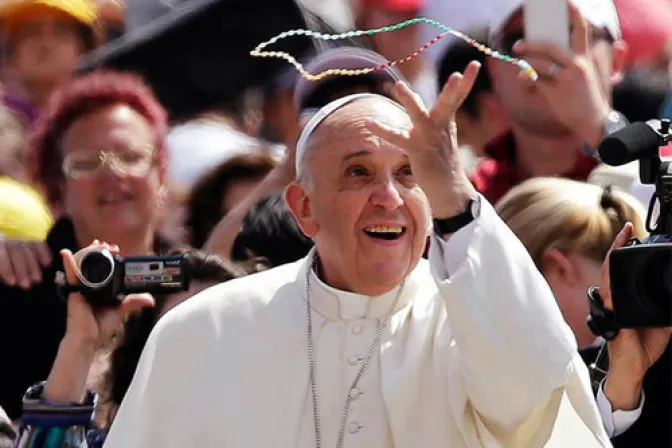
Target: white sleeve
[160,406]
[516,348]
[616,422]
[518,358]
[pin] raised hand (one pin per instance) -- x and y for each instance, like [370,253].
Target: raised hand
[94,325]
[570,81]
[432,145]
[22,262]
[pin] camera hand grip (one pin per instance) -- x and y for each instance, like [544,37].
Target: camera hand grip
[601,321]
[64,289]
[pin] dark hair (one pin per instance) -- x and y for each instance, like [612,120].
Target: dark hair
[91,36]
[336,87]
[271,233]
[124,359]
[456,58]
[641,94]
[204,206]
[77,98]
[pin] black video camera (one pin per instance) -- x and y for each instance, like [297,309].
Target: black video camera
[105,278]
[641,272]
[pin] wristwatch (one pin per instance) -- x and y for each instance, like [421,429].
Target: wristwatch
[615,121]
[454,223]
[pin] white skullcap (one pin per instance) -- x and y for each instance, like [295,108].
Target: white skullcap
[320,115]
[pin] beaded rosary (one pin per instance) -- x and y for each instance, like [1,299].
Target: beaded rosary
[260,52]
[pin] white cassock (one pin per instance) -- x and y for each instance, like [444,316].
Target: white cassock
[476,355]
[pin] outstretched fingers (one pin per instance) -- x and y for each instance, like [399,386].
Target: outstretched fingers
[411,101]
[454,92]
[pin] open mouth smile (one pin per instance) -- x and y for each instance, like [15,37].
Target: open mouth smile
[388,233]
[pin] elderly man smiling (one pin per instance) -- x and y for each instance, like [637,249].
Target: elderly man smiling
[363,343]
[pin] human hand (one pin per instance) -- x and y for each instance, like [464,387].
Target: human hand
[633,351]
[89,325]
[432,145]
[22,262]
[570,81]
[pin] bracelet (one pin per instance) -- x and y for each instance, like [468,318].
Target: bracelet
[39,412]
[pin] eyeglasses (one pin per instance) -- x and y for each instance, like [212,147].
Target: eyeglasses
[131,162]
[506,41]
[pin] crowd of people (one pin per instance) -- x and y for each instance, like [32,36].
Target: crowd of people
[396,259]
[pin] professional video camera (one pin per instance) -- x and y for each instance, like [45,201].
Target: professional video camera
[641,272]
[106,277]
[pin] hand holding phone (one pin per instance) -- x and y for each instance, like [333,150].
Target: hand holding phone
[547,21]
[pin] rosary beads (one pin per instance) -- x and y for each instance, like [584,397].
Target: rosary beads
[260,51]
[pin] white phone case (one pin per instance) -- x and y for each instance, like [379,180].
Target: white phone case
[547,21]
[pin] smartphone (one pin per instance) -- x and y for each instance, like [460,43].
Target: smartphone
[547,21]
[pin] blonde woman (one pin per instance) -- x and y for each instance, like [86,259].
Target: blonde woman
[568,228]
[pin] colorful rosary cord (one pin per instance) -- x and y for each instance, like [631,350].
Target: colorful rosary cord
[259,50]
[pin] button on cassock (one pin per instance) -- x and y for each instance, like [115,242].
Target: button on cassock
[353,427]
[355,393]
[354,360]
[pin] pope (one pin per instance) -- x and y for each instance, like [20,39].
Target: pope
[363,343]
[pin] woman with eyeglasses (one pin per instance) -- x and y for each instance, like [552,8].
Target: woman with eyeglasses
[98,154]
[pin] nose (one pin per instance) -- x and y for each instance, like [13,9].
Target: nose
[109,171]
[386,195]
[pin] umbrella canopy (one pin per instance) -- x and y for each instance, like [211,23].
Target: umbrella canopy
[196,53]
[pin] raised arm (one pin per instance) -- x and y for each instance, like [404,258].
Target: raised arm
[515,348]
[61,409]
[518,358]
[224,234]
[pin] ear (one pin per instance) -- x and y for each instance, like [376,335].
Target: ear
[252,122]
[300,205]
[493,111]
[619,56]
[162,196]
[493,67]
[558,268]
[64,204]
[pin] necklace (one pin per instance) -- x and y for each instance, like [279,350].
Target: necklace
[262,52]
[352,392]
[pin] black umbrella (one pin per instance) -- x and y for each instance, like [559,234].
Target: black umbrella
[196,54]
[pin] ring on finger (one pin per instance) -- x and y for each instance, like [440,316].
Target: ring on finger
[553,70]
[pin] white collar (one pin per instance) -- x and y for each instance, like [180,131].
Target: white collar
[334,304]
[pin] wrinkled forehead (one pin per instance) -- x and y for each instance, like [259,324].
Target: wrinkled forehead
[347,119]
[355,116]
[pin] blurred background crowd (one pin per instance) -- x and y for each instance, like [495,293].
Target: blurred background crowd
[198,139]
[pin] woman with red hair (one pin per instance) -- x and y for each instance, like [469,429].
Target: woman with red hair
[98,155]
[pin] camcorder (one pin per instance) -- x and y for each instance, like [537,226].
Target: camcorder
[641,272]
[105,278]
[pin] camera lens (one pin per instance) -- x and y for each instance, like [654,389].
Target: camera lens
[96,267]
[656,283]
